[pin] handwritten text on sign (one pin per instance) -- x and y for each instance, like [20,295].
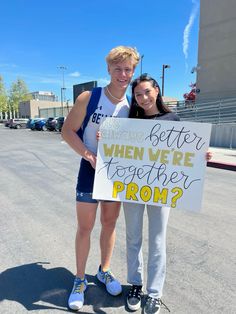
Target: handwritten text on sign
[153,162]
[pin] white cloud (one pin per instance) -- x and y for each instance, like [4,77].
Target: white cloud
[103,82]
[48,80]
[8,65]
[188,27]
[74,74]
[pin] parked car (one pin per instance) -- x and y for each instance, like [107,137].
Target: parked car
[40,125]
[57,123]
[7,123]
[18,123]
[31,123]
[49,124]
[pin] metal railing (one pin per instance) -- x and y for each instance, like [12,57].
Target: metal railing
[216,112]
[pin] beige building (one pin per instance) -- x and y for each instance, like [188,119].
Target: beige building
[31,108]
[216,69]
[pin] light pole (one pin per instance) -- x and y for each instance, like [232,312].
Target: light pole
[62,98]
[67,105]
[62,68]
[164,66]
[141,64]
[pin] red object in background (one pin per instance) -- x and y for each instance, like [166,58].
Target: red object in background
[192,94]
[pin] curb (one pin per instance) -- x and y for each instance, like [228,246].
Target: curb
[221,165]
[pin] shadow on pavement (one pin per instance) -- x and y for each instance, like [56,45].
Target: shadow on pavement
[98,298]
[32,283]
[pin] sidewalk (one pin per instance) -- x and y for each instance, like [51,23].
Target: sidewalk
[223,158]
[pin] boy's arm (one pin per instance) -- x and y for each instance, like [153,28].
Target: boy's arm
[72,124]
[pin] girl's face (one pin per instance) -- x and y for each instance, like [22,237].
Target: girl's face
[146,95]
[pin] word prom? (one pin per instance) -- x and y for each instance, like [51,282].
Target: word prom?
[145,193]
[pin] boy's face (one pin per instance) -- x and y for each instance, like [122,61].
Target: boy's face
[121,73]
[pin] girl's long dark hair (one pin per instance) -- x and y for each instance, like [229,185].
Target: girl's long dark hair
[135,110]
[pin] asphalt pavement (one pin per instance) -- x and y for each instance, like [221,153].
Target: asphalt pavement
[38,223]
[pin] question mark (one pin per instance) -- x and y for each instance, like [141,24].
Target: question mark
[179,193]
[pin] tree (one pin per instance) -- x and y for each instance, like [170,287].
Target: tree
[18,92]
[3,97]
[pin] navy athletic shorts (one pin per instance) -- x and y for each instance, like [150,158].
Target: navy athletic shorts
[84,187]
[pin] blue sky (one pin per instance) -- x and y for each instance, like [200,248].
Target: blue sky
[38,36]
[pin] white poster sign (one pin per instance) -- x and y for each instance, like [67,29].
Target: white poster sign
[152,162]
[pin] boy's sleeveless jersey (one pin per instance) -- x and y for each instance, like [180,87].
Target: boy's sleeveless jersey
[105,108]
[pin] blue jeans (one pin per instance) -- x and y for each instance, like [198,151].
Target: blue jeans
[157,225]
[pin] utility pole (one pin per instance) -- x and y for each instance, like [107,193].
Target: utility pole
[141,64]
[63,69]
[164,66]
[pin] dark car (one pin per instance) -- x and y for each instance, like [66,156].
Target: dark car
[57,123]
[7,123]
[49,124]
[40,125]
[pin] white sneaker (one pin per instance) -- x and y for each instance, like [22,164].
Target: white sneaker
[76,299]
[112,284]
[134,297]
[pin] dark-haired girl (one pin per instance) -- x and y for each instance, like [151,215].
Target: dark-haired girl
[147,103]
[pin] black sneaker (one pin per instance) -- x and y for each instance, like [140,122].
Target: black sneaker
[153,306]
[134,297]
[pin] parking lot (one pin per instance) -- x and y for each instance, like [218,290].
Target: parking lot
[37,218]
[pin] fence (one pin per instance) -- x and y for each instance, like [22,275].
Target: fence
[222,115]
[216,112]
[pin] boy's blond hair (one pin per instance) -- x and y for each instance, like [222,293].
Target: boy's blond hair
[122,53]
